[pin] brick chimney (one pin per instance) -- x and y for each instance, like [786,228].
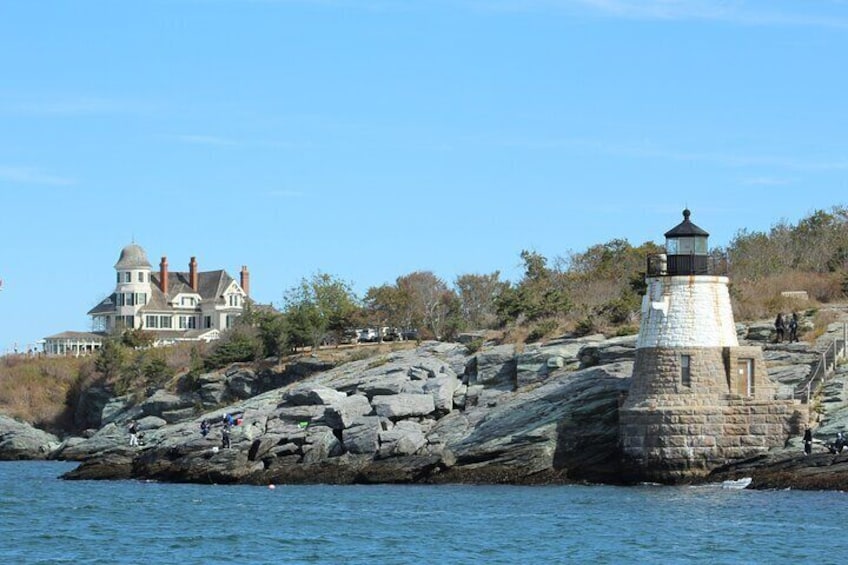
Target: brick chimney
[192,273]
[245,280]
[163,276]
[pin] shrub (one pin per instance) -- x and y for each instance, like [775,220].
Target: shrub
[239,344]
[542,330]
[474,345]
[585,326]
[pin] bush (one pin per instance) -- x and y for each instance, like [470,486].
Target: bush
[542,330]
[237,345]
[474,345]
[586,326]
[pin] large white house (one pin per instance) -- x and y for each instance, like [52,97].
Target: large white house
[172,305]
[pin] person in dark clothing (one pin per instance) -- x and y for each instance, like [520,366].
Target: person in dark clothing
[204,427]
[225,437]
[808,441]
[838,445]
[793,328]
[779,327]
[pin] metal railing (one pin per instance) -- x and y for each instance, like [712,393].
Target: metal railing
[835,351]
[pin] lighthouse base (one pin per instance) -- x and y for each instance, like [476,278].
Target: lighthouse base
[680,444]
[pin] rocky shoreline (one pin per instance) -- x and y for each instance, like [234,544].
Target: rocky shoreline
[539,414]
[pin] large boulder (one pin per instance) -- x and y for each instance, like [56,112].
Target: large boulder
[213,388]
[163,401]
[19,440]
[399,406]
[313,396]
[496,367]
[345,412]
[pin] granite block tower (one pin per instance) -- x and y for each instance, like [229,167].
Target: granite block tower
[697,398]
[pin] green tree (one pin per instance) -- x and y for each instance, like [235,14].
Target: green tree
[318,308]
[428,302]
[478,295]
[387,305]
[238,344]
[540,294]
[111,358]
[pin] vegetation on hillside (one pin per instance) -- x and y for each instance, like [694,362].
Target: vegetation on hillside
[596,290]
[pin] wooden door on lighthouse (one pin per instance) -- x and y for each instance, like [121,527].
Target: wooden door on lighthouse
[745,380]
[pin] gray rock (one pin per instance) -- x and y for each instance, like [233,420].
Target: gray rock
[163,401]
[496,367]
[213,388]
[343,413]
[362,436]
[243,384]
[405,438]
[22,441]
[119,408]
[321,444]
[400,406]
[90,404]
[442,388]
[313,396]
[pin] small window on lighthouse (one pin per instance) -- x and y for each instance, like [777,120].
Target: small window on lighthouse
[685,374]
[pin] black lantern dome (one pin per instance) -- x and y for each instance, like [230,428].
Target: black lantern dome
[686,248]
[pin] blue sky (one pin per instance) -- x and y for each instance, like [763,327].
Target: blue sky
[370,139]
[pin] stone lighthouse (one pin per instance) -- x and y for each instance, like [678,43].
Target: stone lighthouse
[697,398]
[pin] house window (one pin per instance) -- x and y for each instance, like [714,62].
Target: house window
[128,277]
[140,276]
[151,321]
[207,321]
[164,321]
[119,277]
[234,300]
[685,370]
[141,298]
[188,322]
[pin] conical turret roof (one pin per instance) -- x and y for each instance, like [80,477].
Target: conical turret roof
[686,228]
[132,257]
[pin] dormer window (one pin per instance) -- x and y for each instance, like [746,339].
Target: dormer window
[235,300]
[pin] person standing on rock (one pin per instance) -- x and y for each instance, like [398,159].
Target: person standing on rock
[793,327]
[808,441]
[225,436]
[779,327]
[133,429]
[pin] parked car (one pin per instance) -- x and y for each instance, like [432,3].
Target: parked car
[409,334]
[392,334]
[368,335]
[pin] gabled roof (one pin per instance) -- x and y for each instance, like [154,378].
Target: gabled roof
[686,228]
[210,284]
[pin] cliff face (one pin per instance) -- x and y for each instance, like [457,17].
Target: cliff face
[435,414]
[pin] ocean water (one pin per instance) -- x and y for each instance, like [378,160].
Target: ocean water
[46,520]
